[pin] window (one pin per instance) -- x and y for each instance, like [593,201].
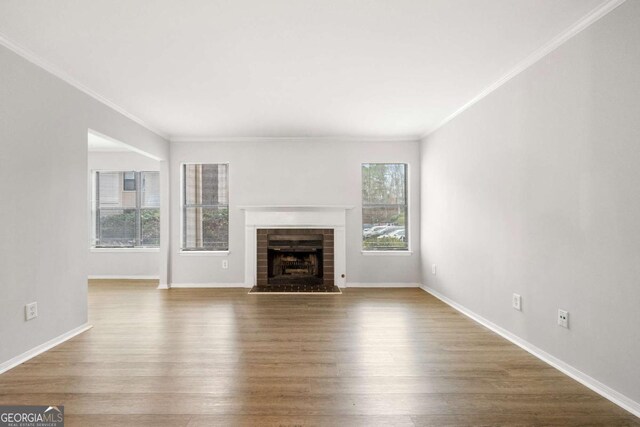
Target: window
[129,181]
[127,209]
[205,207]
[384,207]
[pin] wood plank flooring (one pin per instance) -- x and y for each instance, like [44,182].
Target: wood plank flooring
[368,357]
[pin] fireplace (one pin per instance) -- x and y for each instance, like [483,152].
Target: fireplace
[327,220]
[295,257]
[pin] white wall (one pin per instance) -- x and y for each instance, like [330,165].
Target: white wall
[135,263]
[43,187]
[535,190]
[295,173]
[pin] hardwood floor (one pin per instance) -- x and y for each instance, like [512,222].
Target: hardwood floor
[207,357]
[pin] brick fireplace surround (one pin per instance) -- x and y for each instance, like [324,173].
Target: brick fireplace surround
[262,242]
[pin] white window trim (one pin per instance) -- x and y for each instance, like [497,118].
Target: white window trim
[192,252]
[124,250]
[203,253]
[399,252]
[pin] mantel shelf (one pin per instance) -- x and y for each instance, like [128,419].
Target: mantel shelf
[297,208]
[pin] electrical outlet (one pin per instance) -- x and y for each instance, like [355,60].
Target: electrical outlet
[225,264]
[31,311]
[517,302]
[433,269]
[563,318]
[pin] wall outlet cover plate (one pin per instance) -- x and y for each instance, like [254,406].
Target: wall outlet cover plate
[31,311]
[563,318]
[517,302]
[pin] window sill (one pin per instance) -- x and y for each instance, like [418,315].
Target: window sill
[387,253]
[203,253]
[123,250]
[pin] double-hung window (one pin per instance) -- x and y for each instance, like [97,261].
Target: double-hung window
[127,210]
[205,207]
[385,214]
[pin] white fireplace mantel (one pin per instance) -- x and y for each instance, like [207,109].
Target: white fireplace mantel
[296,208]
[296,216]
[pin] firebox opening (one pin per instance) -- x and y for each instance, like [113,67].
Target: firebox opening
[295,259]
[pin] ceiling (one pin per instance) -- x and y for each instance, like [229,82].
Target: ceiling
[287,68]
[98,143]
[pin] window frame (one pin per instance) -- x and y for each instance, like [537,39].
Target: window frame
[409,218]
[95,212]
[181,208]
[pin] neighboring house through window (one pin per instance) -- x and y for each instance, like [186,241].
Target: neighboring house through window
[129,181]
[205,207]
[385,214]
[127,209]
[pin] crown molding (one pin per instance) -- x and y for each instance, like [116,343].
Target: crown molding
[537,55]
[394,138]
[533,58]
[62,75]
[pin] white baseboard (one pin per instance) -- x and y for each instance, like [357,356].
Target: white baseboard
[121,277]
[245,285]
[163,286]
[590,382]
[209,285]
[12,363]
[382,285]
